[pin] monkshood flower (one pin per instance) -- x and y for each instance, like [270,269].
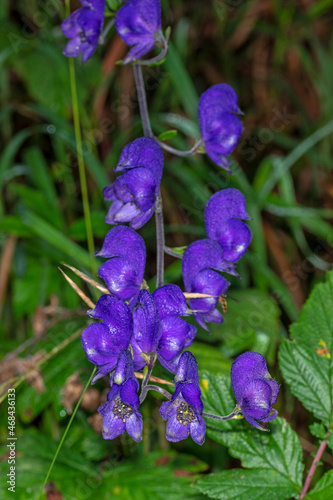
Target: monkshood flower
[102,342]
[123,273]
[222,214]
[254,388]
[200,262]
[184,410]
[84,27]
[219,125]
[158,328]
[120,412]
[134,193]
[138,23]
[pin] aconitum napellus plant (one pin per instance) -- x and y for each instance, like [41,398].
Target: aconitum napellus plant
[138,327]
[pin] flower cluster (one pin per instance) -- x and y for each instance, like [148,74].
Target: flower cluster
[137,328]
[84,27]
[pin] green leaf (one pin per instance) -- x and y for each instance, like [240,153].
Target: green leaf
[239,484]
[166,136]
[323,489]
[278,450]
[305,360]
[252,314]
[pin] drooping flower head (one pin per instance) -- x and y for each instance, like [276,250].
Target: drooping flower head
[134,193]
[222,214]
[120,412]
[254,388]
[84,27]
[219,125]
[184,410]
[200,262]
[158,328]
[138,23]
[123,273]
[102,342]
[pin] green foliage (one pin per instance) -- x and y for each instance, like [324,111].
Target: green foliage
[306,361]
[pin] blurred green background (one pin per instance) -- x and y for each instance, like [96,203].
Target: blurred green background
[278,57]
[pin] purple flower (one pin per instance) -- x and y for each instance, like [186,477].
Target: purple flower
[219,125]
[199,265]
[84,27]
[103,342]
[123,273]
[135,192]
[222,214]
[138,23]
[158,329]
[254,388]
[184,410]
[120,412]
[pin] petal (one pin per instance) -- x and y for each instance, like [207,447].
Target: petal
[140,49]
[126,213]
[99,345]
[124,242]
[124,368]
[104,370]
[143,152]
[147,330]
[198,429]
[254,423]
[224,205]
[256,401]
[271,416]
[246,367]
[200,255]
[170,300]
[176,336]
[224,135]
[112,426]
[217,100]
[192,395]
[140,184]
[129,393]
[187,369]
[73,48]
[175,431]
[120,277]
[235,238]
[141,219]
[134,426]
[168,409]
[70,26]
[140,21]
[209,282]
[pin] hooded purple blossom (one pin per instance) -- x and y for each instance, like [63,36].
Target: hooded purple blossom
[184,410]
[219,125]
[123,273]
[199,265]
[254,388]
[222,214]
[102,342]
[134,193]
[84,27]
[120,412]
[158,328]
[138,23]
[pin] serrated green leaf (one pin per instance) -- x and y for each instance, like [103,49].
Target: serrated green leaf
[278,450]
[306,360]
[239,484]
[317,430]
[323,489]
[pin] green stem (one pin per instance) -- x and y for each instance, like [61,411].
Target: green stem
[79,153]
[65,433]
